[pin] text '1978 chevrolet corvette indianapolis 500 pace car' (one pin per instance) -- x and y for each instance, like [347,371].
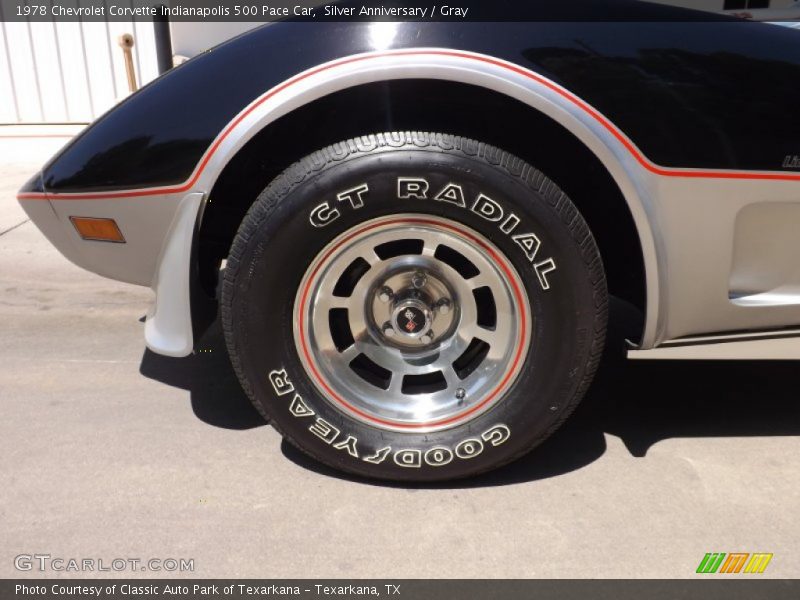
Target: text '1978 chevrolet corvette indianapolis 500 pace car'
[410,230]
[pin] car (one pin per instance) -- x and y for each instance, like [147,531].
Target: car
[410,230]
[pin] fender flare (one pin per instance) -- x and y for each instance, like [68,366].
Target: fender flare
[633,173]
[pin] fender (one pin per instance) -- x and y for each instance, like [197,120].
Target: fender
[667,61]
[90,168]
[610,145]
[541,94]
[638,178]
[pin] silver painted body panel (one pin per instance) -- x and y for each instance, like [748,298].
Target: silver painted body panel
[772,348]
[696,221]
[168,328]
[144,221]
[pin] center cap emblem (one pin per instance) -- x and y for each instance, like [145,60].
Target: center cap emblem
[411,319]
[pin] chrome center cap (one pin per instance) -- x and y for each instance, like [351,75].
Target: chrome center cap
[412,318]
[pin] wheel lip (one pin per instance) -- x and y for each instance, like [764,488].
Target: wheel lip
[513,278]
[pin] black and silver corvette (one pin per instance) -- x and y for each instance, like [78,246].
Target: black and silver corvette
[420,223]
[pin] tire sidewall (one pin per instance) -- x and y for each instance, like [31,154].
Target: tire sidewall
[284,243]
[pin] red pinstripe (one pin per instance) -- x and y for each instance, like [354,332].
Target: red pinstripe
[640,158]
[512,369]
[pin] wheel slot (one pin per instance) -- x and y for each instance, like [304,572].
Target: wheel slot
[471,358]
[458,261]
[347,281]
[424,384]
[339,322]
[371,372]
[399,248]
[487,310]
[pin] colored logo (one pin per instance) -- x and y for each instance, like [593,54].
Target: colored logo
[734,562]
[410,319]
[411,325]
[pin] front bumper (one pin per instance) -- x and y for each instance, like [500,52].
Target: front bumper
[158,230]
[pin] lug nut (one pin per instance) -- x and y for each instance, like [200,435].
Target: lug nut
[385,294]
[444,306]
[388,330]
[419,279]
[427,338]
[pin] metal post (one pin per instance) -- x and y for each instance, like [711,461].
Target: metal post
[163,39]
[125,42]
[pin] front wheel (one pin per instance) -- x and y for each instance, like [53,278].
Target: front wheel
[414,306]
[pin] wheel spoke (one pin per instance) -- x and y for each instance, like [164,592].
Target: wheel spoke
[481,280]
[370,256]
[429,248]
[453,382]
[490,336]
[337,302]
[396,385]
[348,354]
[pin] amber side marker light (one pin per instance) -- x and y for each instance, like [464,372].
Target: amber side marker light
[101,230]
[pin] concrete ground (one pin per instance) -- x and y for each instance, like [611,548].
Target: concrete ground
[109,451]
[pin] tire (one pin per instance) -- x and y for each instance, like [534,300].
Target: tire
[351,320]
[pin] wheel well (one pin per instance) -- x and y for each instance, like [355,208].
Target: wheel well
[428,105]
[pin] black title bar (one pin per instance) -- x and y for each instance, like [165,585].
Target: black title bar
[369,10]
[406,589]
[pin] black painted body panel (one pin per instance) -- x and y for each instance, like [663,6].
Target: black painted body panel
[702,94]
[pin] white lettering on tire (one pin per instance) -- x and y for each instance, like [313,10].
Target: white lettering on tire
[412,187]
[469,448]
[324,214]
[408,458]
[529,243]
[489,209]
[379,456]
[349,444]
[496,435]
[438,456]
[542,269]
[280,382]
[453,194]
[299,408]
[324,430]
[354,195]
